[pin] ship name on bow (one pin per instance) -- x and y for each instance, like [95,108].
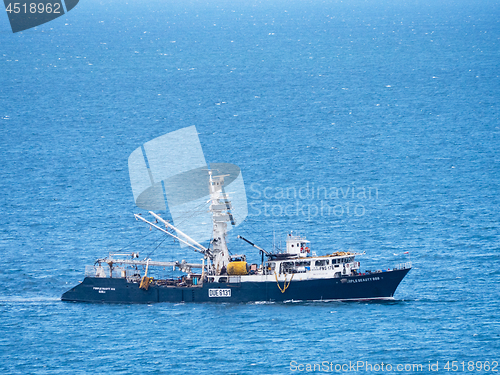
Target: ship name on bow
[363,280]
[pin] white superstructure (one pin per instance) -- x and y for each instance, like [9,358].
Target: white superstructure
[220,206]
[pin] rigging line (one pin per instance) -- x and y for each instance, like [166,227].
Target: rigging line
[267,241]
[155,240]
[191,213]
[202,204]
[151,253]
[270,241]
[130,244]
[163,236]
[185,218]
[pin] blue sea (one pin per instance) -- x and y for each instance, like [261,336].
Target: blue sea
[375,122]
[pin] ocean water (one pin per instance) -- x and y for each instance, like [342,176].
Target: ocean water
[375,122]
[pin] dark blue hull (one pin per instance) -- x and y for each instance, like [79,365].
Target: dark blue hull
[380,285]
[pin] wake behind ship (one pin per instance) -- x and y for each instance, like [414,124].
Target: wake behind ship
[297,274]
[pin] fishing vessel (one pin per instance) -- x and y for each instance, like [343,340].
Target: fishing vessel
[295,274]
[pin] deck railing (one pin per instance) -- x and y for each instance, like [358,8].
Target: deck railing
[94,271]
[234,279]
[403,266]
[103,271]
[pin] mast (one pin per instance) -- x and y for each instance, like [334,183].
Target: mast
[220,206]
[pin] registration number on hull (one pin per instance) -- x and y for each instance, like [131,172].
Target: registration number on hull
[219,292]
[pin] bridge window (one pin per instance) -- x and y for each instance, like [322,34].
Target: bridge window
[302,264]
